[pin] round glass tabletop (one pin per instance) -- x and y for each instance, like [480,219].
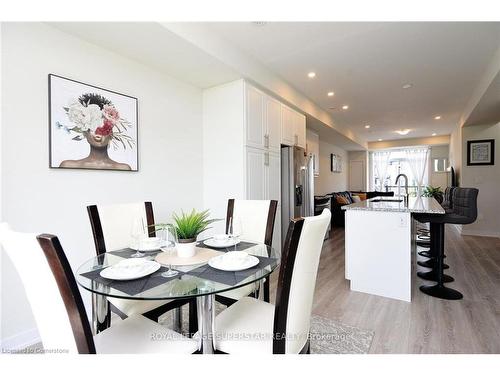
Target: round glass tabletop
[191,281]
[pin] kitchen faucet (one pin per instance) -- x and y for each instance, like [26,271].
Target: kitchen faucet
[405,197]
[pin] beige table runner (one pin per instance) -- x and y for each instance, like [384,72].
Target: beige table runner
[203,255]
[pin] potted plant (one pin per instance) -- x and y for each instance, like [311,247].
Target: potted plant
[187,228]
[434,192]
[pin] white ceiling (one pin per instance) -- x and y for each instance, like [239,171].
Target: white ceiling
[366,65]
[152,44]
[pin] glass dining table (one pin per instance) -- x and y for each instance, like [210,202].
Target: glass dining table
[199,281]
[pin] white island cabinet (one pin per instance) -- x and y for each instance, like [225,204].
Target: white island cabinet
[379,244]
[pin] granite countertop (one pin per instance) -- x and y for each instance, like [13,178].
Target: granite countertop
[415,205]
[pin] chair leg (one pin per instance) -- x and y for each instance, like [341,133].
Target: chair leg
[193,318]
[177,321]
[439,290]
[266,290]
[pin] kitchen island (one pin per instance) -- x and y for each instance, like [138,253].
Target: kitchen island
[379,243]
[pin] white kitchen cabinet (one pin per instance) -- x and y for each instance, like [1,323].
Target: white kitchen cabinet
[241,148]
[263,120]
[300,130]
[287,126]
[255,120]
[293,127]
[256,178]
[312,147]
[272,136]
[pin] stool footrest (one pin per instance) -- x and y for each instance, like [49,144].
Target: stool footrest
[433,276]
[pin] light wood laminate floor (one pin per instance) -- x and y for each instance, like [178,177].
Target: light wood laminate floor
[427,324]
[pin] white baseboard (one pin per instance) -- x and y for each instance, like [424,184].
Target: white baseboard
[473,232]
[21,340]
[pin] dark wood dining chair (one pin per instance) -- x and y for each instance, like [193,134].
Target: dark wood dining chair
[59,311]
[251,326]
[257,220]
[111,225]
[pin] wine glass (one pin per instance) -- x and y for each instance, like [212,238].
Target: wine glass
[169,239]
[137,232]
[235,229]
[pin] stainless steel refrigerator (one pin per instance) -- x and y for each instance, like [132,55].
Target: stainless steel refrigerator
[297,186]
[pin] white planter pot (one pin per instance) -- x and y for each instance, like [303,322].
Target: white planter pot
[186,249]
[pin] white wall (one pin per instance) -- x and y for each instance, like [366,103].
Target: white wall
[38,199]
[455,152]
[486,179]
[327,181]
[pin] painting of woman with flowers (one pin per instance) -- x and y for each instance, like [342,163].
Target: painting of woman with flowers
[90,127]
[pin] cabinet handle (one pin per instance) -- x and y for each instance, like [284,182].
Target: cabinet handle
[266,159]
[266,141]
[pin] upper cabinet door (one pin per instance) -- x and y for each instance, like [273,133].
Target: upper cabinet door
[255,125]
[287,126]
[300,130]
[272,137]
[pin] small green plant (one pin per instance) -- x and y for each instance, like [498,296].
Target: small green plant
[434,192]
[189,226]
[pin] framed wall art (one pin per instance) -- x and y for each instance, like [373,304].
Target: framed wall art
[335,163]
[481,152]
[91,127]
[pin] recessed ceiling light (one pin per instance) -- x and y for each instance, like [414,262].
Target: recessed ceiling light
[407,86]
[311,74]
[331,93]
[437,117]
[345,107]
[433,134]
[380,139]
[403,131]
[367,126]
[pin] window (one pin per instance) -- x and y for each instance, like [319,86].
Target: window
[440,164]
[397,162]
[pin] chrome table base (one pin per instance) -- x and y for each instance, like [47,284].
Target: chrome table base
[206,323]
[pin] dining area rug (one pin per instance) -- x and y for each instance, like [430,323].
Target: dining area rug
[327,336]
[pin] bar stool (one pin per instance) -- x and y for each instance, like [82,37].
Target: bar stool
[448,206]
[464,212]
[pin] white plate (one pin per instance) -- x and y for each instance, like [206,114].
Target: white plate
[218,263]
[145,248]
[130,269]
[220,245]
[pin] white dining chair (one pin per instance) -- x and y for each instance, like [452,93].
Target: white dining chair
[253,326]
[59,311]
[111,228]
[256,218]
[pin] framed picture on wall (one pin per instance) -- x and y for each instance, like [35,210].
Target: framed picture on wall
[335,163]
[481,152]
[91,127]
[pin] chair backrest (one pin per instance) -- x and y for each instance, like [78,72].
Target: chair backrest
[51,289]
[256,217]
[465,203]
[111,224]
[448,197]
[296,282]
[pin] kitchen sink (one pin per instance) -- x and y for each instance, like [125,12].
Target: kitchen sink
[386,200]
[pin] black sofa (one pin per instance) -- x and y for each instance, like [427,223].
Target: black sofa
[338,214]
